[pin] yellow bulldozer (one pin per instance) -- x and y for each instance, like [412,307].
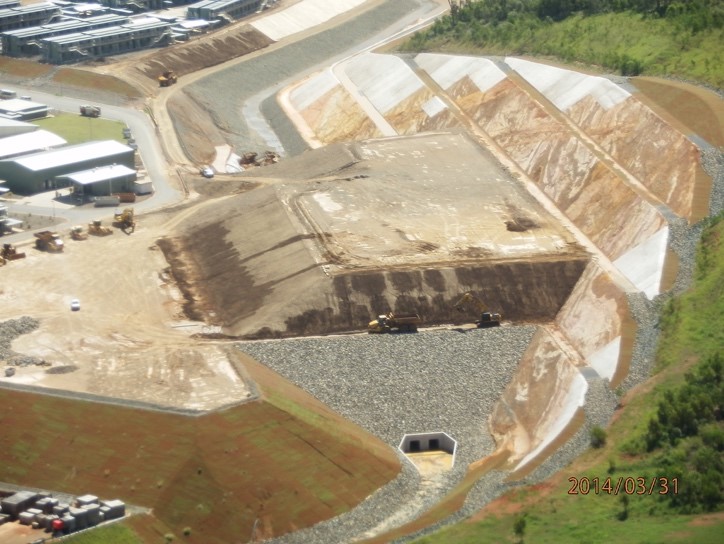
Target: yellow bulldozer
[167,78]
[76,233]
[96,229]
[487,319]
[125,221]
[9,253]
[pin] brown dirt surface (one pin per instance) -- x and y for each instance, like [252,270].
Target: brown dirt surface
[199,134]
[692,109]
[215,474]
[292,257]
[216,48]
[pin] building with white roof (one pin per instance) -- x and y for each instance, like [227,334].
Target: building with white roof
[102,180]
[30,142]
[30,174]
[10,127]
[22,110]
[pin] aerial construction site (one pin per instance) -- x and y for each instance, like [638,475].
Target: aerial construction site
[219,372]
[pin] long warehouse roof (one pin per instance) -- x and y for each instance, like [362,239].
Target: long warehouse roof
[71,154]
[29,142]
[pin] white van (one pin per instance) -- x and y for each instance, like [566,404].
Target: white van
[5,94]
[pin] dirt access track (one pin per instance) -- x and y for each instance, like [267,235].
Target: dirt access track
[319,243]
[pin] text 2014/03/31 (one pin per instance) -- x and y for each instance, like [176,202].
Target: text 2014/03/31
[627,485]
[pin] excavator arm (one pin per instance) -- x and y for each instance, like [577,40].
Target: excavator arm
[487,319]
[468,299]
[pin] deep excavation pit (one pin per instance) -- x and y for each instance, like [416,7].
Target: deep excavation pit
[305,257]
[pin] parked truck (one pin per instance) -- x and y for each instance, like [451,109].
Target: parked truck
[90,111]
[48,241]
[392,322]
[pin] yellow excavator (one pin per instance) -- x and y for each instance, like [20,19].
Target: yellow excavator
[125,221]
[487,319]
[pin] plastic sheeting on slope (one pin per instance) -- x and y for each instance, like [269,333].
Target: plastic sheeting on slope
[564,87]
[447,70]
[302,16]
[644,264]
[385,80]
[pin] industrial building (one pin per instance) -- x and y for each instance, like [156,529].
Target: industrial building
[103,42]
[22,110]
[9,127]
[135,6]
[38,172]
[101,181]
[5,4]
[26,16]
[27,41]
[30,142]
[229,10]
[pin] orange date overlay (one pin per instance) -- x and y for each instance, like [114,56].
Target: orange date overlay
[623,485]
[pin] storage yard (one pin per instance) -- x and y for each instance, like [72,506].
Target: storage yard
[504,177]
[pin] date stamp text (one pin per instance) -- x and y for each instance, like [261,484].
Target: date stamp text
[623,485]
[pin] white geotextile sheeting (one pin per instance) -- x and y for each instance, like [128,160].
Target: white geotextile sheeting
[306,14]
[644,264]
[433,106]
[605,360]
[575,394]
[313,89]
[385,80]
[565,88]
[447,70]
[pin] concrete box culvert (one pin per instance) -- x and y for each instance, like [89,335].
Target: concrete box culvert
[432,441]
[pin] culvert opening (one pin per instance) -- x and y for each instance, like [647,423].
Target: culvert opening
[429,452]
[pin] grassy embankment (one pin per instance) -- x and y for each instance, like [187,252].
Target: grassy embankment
[276,464]
[70,77]
[630,42]
[669,427]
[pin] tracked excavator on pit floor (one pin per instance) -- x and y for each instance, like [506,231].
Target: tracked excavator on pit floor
[487,319]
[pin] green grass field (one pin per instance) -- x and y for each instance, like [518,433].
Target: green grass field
[112,534]
[77,129]
[657,47]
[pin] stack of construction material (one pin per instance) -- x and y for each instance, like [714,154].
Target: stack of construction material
[113,509]
[17,503]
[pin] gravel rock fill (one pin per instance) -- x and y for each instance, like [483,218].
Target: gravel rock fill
[393,384]
[9,331]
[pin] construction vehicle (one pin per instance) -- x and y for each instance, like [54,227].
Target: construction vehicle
[76,233]
[9,253]
[90,111]
[394,323]
[125,220]
[48,241]
[96,229]
[167,78]
[487,319]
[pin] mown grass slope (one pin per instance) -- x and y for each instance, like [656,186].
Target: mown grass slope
[286,461]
